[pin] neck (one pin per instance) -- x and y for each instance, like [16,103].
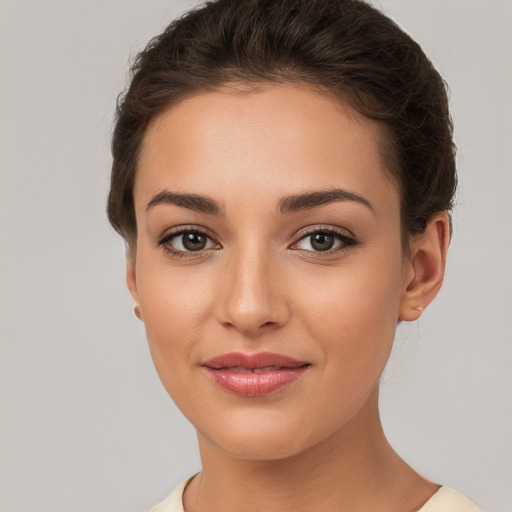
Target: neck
[355,470]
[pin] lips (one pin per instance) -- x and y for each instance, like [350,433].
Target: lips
[254,374]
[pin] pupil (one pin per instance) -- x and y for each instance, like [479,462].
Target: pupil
[322,241]
[194,241]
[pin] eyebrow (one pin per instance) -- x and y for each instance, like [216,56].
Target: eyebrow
[286,204]
[309,200]
[195,202]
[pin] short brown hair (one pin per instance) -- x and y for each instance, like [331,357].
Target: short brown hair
[344,47]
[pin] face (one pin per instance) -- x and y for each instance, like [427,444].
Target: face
[268,265]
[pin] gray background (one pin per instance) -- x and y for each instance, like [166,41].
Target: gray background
[85,424]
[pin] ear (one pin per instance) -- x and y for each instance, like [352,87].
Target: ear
[424,270]
[131,281]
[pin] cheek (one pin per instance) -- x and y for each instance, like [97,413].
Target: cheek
[356,298]
[354,322]
[175,305]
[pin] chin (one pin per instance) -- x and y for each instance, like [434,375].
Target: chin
[261,448]
[262,440]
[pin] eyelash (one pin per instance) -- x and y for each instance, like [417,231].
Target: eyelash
[346,240]
[164,242]
[342,236]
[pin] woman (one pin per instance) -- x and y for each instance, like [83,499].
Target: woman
[283,175]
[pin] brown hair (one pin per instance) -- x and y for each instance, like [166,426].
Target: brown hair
[344,47]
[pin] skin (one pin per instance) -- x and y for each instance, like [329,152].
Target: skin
[260,285]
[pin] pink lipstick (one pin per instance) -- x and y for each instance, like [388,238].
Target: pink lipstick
[254,374]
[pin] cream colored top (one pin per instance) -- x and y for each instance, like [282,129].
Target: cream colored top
[444,500]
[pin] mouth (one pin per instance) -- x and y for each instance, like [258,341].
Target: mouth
[254,374]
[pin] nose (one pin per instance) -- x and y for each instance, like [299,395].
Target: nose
[253,297]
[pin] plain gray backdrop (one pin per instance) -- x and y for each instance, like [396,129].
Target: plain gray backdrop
[85,424]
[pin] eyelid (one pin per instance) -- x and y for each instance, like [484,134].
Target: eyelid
[346,238]
[163,240]
[343,235]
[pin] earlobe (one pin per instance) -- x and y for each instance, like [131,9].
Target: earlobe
[131,281]
[425,267]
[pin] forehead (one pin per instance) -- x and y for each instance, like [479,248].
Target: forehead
[261,141]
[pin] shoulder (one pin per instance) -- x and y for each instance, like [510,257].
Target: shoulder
[444,500]
[173,502]
[449,500]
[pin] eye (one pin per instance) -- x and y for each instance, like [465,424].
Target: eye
[324,240]
[187,241]
[320,241]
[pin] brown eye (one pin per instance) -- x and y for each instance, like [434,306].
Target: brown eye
[325,240]
[193,241]
[322,241]
[187,241]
